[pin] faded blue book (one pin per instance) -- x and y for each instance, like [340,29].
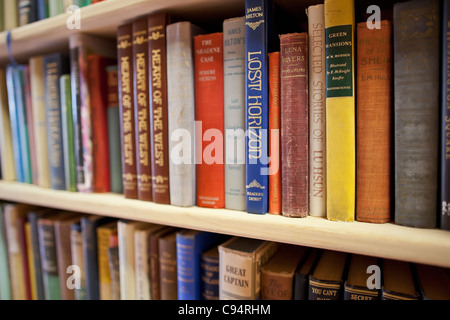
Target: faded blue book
[257,37]
[15,135]
[19,91]
[190,245]
[42,9]
[55,65]
[5,288]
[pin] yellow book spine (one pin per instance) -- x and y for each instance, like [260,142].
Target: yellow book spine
[340,109]
[104,276]
[31,267]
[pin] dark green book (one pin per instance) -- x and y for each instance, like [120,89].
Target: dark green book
[5,289]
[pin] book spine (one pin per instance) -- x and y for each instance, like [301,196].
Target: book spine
[115,150]
[154,264]
[324,290]
[275,132]
[301,287]
[114,268]
[234,112]
[209,114]
[159,139]
[317,112]
[374,124]
[445,120]
[11,15]
[142,265]
[168,268]
[90,253]
[416,34]
[5,282]
[53,66]
[141,109]
[49,261]
[360,293]
[26,11]
[294,124]
[127,261]
[209,278]
[99,104]
[186,268]
[103,237]
[26,266]
[42,9]
[6,142]
[67,133]
[32,219]
[257,104]
[64,257]
[276,286]
[181,106]
[31,263]
[30,125]
[14,123]
[126,105]
[340,109]
[76,242]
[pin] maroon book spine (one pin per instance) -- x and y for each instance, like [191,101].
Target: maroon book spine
[158,107]
[141,109]
[126,105]
[294,124]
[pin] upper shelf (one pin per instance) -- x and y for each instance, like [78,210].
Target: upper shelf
[428,246]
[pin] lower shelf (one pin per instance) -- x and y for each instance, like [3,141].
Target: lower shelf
[428,246]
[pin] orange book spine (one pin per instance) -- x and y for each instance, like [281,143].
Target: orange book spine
[209,112]
[374,113]
[274,133]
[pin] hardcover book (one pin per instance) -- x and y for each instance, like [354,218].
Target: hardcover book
[76,244]
[234,112]
[340,109]
[327,280]
[356,285]
[126,107]
[104,234]
[374,123]
[6,143]
[5,283]
[159,139]
[241,260]
[142,116]
[277,275]
[209,114]
[444,178]
[257,24]
[398,281]
[181,106]
[55,65]
[114,266]
[275,184]
[190,245]
[36,64]
[209,274]
[317,111]
[416,111]
[168,281]
[294,124]
[433,282]
[28,104]
[302,274]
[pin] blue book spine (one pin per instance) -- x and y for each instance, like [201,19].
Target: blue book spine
[42,9]
[22,123]
[190,246]
[257,23]
[14,123]
[55,65]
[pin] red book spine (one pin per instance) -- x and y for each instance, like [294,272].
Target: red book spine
[274,134]
[126,105]
[209,111]
[294,124]
[141,109]
[158,107]
[30,122]
[99,121]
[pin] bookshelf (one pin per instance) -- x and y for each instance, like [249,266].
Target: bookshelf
[429,246]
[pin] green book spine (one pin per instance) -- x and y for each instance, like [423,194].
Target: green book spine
[5,289]
[49,261]
[56,7]
[68,134]
[2,18]
[82,3]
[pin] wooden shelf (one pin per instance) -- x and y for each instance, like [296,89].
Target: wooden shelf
[428,246]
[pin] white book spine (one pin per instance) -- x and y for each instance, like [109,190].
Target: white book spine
[234,104]
[181,110]
[126,260]
[317,111]
[142,265]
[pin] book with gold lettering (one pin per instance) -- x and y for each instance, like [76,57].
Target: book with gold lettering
[240,263]
[359,273]
[317,111]
[340,109]
[209,113]
[399,282]
[374,123]
[159,139]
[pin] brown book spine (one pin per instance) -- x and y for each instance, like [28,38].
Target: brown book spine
[154,262]
[126,105]
[168,267]
[64,257]
[374,121]
[141,109]
[158,107]
[294,124]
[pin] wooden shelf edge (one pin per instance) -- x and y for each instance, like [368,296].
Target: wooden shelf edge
[427,246]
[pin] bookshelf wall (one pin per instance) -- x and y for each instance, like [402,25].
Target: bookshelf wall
[429,246]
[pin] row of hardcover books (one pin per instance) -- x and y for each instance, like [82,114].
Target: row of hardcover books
[200,113]
[46,254]
[16,13]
